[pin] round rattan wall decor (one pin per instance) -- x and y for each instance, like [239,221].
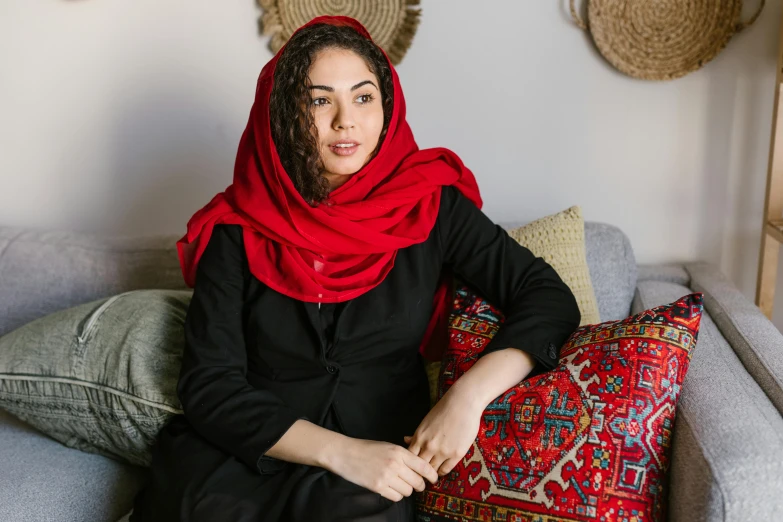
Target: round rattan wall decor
[391,23]
[662,39]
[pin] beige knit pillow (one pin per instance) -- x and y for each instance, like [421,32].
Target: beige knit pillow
[560,240]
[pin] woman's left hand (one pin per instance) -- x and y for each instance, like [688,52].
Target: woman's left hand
[446,433]
[451,426]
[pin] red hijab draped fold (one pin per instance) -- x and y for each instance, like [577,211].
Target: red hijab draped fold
[332,253]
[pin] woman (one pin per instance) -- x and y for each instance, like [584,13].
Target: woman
[321,278]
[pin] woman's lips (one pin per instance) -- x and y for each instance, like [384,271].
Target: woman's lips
[344,149]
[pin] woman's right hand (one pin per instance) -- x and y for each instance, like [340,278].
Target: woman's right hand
[382,467]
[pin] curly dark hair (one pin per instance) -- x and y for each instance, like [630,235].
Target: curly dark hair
[290,102]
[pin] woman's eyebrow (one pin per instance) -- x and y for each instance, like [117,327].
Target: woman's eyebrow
[331,89]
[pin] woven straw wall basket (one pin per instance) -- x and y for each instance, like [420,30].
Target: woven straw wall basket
[662,39]
[391,23]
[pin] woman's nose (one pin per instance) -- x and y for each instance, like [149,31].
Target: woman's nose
[344,119]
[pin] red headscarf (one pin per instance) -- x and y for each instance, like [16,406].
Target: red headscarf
[332,253]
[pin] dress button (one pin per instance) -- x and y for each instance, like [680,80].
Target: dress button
[331,369]
[552,351]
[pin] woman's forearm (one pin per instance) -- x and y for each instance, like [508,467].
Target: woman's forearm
[492,375]
[309,444]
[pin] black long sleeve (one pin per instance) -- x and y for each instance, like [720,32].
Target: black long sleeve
[213,387]
[540,310]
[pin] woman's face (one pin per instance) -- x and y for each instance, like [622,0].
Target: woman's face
[347,109]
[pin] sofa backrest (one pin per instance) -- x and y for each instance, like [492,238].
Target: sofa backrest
[42,271]
[613,269]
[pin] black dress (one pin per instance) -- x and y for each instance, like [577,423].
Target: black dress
[256,360]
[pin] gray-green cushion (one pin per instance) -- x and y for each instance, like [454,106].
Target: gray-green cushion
[100,377]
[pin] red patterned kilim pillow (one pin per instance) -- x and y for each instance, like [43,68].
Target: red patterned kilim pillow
[589,440]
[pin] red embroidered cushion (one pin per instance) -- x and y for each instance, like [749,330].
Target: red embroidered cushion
[588,440]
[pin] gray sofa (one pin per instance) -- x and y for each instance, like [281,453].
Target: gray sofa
[727,462]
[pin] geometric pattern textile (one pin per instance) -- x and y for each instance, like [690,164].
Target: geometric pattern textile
[589,440]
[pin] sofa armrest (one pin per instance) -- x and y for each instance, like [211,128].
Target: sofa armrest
[670,273]
[725,461]
[756,341]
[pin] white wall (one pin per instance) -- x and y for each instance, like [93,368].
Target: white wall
[125,116]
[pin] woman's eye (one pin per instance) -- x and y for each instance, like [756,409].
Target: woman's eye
[319,101]
[365,98]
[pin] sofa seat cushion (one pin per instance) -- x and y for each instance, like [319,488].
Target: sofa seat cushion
[40,479]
